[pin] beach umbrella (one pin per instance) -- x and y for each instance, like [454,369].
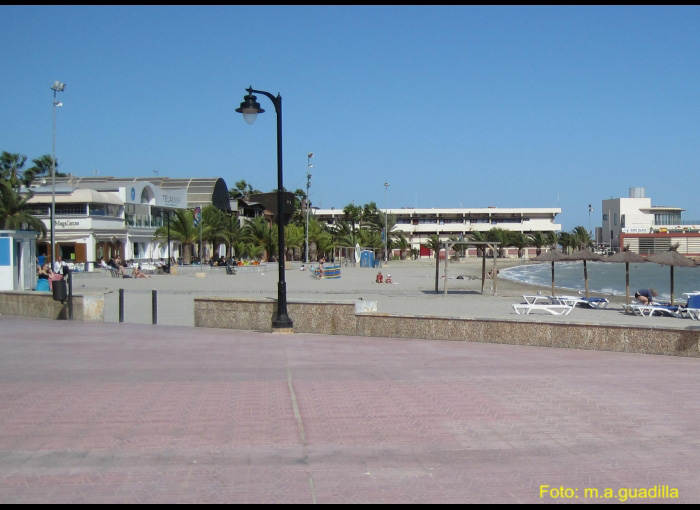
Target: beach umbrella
[672,258]
[628,257]
[585,255]
[550,256]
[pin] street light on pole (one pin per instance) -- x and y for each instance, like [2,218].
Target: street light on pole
[56,87]
[250,109]
[386,225]
[308,184]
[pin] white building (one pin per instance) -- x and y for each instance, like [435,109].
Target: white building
[107,216]
[419,224]
[646,229]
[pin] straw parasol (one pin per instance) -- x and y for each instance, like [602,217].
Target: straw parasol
[672,258]
[550,256]
[628,257]
[584,254]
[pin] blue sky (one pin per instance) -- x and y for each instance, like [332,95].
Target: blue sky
[454,106]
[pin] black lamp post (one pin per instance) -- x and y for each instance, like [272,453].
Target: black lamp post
[250,109]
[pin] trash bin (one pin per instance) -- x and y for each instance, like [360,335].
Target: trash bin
[60,290]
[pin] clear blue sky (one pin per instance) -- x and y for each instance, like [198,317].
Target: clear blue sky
[471,106]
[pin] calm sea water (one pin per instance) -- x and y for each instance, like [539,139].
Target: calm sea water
[608,277]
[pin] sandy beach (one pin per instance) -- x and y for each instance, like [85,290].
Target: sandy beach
[412,293]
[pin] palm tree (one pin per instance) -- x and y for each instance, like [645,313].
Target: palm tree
[182,230]
[263,235]
[552,239]
[325,244]
[11,168]
[293,239]
[235,235]
[42,167]
[501,236]
[242,189]
[403,245]
[14,214]
[520,241]
[567,241]
[215,224]
[582,238]
[434,244]
[353,214]
[478,237]
[538,239]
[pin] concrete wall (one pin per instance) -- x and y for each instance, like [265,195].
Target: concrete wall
[42,305]
[341,319]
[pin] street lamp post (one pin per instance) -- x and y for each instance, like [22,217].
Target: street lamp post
[250,109]
[56,87]
[386,225]
[308,185]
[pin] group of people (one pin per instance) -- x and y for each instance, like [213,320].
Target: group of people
[380,278]
[119,267]
[46,274]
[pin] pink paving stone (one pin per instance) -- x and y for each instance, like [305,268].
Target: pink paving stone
[126,413]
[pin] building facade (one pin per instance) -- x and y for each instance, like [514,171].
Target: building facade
[418,225]
[632,221]
[105,217]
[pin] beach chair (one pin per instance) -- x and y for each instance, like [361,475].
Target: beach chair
[692,307]
[538,299]
[662,310]
[553,309]
[591,302]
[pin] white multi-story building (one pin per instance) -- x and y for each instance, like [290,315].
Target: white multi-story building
[102,217]
[418,225]
[646,229]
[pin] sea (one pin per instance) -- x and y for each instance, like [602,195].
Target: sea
[608,277]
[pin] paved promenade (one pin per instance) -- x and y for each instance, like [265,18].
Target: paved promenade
[134,413]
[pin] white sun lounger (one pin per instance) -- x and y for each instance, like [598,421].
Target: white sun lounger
[577,300]
[649,310]
[526,308]
[538,299]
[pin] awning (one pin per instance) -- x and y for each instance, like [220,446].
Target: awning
[78,196]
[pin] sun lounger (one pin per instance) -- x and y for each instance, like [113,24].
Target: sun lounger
[554,309]
[649,310]
[692,307]
[593,302]
[538,299]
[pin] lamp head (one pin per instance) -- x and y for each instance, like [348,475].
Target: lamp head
[311,154]
[250,108]
[58,86]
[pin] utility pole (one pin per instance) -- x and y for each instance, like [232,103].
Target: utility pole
[309,166]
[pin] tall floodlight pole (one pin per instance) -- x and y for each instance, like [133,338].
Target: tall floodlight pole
[250,109]
[56,87]
[590,210]
[308,185]
[386,225]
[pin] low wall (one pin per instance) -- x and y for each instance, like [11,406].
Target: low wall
[339,318]
[42,305]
